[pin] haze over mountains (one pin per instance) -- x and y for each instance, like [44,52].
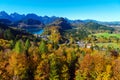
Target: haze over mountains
[15,17]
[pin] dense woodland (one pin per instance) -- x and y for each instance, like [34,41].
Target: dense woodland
[58,57]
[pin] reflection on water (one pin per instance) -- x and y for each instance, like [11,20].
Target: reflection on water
[39,32]
[35,30]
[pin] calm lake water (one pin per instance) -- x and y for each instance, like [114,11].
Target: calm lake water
[35,30]
[39,32]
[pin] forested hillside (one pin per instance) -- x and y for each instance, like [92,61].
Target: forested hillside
[60,40]
[70,55]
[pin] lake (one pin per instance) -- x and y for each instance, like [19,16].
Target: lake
[35,30]
[39,32]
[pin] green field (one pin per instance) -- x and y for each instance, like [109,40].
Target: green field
[105,40]
[107,35]
[113,45]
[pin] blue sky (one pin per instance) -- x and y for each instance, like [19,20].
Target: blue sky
[102,10]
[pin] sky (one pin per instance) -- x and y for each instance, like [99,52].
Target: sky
[102,10]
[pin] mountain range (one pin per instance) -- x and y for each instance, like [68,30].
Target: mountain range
[15,17]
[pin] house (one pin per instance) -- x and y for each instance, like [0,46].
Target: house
[88,46]
[80,44]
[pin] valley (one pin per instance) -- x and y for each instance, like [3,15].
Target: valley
[55,48]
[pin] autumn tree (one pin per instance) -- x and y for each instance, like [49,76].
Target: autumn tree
[116,69]
[4,74]
[54,68]
[42,71]
[71,60]
[18,67]
[64,72]
[55,36]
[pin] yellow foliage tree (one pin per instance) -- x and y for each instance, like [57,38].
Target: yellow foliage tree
[18,66]
[55,35]
[42,71]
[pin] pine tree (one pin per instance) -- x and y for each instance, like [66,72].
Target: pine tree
[12,44]
[8,34]
[54,68]
[27,44]
[79,76]
[43,48]
[64,72]
[19,48]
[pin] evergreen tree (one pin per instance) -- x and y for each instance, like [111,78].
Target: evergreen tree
[12,44]
[1,33]
[55,45]
[54,68]
[8,34]
[43,48]
[79,76]
[19,48]
[64,72]
[27,44]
